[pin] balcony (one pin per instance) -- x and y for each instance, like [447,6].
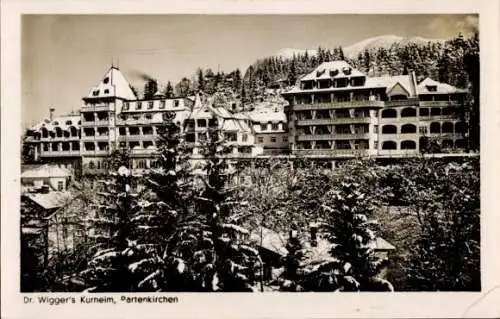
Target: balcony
[96,152]
[333,136]
[138,137]
[410,102]
[331,152]
[88,137]
[332,105]
[104,137]
[134,122]
[59,153]
[97,108]
[439,103]
[337,120]
[95,123]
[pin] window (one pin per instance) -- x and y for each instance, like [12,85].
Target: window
[460,127]
[46,147]
[285,139]
[190,138]
[389,145]
[431,88]
[150,104]
[263,127]
[422,129]
[436,111]
[176,103]
[408,112]
[68,122]
[408,145]
[202,123]
[148,116]
[274,126]
[95,93]
[244,137]
[408,128]
[106,91]
[232,137]
[389,113]
[162,104]
[126,106]
[435,127]
[260,139]
[91,165]
[60,185]
[389,129]
[273,139]
[424,111]
[122,131]
[447,127]
[106,80]
[139,105]
[447,144]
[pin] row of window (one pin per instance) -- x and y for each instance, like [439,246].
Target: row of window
[435,128]
[272,139]
[64,146]
[412,145]
[422,111]
[57,132]
[149,104]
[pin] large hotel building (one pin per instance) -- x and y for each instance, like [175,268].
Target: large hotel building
[335,112]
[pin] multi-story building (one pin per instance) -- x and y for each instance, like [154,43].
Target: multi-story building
[339,112]
[113,117]
[271,130]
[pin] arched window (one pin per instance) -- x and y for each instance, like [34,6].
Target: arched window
[408,145]
[408,128]
[389,145]
[447,144]
[68,122]
[73,131]
[408,112]
[45,133]
[55,147]
[52,134]
[447,127]
[389,113]
[435,127]
[66,134]
[58,132]
[389,129]
[460,127]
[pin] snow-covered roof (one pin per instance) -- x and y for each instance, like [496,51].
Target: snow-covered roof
[266,116]
[388,82]
[64,122]
[323,71]
[113,84]
[50,200]
[46,171]
[440,88]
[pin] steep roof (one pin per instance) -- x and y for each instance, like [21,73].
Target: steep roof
[113,84]
[267,115]
[388,82]
[64,122]
[441,88]
[323,71]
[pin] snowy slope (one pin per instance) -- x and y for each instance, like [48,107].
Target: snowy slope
[383,41]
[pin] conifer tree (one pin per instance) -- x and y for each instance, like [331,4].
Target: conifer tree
[169,90]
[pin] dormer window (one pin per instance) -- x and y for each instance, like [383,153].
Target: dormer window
[126,106]
[334,72]
[319,73]
[55,123]
[150,104]
[106,80]
[139,105]
[347,71]
[176,103]
[106,91]
[68,122]
[162,104]
[431,88]
[95,93]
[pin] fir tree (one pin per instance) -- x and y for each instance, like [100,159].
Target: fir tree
[150,89]
[201,80]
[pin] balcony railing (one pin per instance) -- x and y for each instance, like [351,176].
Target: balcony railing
[131,137]
[333,136]
[96,152]
[337,120]
[439,103]
[96,108]
[95,123]
[331,152]
[411,102]
[331,105]
[59,153]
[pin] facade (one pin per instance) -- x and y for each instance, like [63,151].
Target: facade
[336,112]
[339,112]
[57,177]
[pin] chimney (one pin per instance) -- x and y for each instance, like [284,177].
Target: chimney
[413,82]
[51,113]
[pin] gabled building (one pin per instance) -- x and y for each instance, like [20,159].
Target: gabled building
[338,112]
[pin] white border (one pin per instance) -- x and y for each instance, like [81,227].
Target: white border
[317,305]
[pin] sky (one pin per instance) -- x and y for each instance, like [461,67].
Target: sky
[63,56]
